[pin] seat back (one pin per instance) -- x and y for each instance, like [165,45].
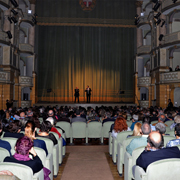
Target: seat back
[171,133]
[169,123]
[41,154]
[94,130]
[122,136]
[164,169]
[167,139]
[3,153]
[136,153]
[12,142]
[106,128]
[66,126]
[8,177]
[153,122]
[49,143]
[40,120]
[79,129]
[129,123]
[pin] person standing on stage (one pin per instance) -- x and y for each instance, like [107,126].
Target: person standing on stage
[88,93]
[76,94]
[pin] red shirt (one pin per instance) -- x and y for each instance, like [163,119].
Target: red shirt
[53,129]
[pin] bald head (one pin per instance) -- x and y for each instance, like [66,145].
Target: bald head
[51,113]
[155,140]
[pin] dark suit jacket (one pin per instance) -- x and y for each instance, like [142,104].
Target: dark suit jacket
[148,157]
[88,94]
[78,119]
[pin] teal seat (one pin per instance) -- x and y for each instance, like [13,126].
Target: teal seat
[169,123]
[121,149]
[3,153]
[163,169]
[94,130]
[119,139]
[79,130]
[63,135]
[105,130]
[23,172]
[129,123]
[110,144]
[171,133]
[66,126]
[8,177]
[130,161]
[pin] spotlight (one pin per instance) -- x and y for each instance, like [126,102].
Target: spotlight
[9,20]
[174,1]
[158,22]
[157,15]
[14,12]
[163,23]
[160,37]
[156,6]
[34,20]
[14,3]
[9,34]
[14,20]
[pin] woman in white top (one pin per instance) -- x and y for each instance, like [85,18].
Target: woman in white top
[119,126]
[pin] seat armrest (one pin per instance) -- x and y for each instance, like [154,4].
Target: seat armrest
[140,173]
[39,175]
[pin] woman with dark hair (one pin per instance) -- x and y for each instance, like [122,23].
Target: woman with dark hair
[119,126]
[23,147]
[30,129]
[45,129]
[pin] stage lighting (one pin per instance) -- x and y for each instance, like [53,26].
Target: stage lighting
[14,20]
[9,19]
[174,1]
[14,12]
[157,15]
[163,23]
[9,34]
[158,22]
[14,3]
[156,6]
[160,37]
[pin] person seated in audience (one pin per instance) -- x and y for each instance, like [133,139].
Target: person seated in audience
[30,129]
[119,126]
[176,121]
[78,117]
[45,129]
[7,175]
[161,119]
[161,128]
[177,68]
[134,121]
[176,141]
[154,151]
[4,144]
[148,120]
[154,116]
[107,118]
[137,130]
[14,129]
[23,147]
[142,141]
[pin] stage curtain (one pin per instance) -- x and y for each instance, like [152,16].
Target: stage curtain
[70,57]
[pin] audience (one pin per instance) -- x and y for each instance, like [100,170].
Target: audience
[137,130]
[161,128]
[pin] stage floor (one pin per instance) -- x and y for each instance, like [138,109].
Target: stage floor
[85,105]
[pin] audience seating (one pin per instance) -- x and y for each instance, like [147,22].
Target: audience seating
[110,144]
[171,133]
[167,139]
[23,172]
[54,150]
[8,177]
[121,149]
[119,139]
[46,160]
[163,169]
[105,130]
[130,161]
[79,130]
[94,130]
[3,153]
[169,123]
[129,123]
[153,122]
[66,126]
[64,137]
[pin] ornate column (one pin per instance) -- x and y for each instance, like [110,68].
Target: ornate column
[7,25]
[171,61]
[139,31]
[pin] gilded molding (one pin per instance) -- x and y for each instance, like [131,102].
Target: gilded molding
[139,3]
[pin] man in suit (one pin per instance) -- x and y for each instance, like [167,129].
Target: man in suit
[88,93]
[76,94]
[155,152]
[78,118]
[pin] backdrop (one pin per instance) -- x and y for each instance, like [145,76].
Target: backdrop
[77,56]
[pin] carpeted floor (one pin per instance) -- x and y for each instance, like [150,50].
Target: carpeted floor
[87,163]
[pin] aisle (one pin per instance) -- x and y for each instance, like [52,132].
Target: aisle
[87,163]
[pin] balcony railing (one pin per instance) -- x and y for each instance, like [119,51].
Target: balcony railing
[168,4]
[4,4]
[4,38]
[26,81]
[143,20]
[144,49]
[171,38]
[170,77]
[144,81]
[4,76]
[144,104]
[25,104]
[26,48]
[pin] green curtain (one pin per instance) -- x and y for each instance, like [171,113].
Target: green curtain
[70,57]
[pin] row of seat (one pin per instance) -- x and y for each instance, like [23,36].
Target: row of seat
[51,161]
[83,130]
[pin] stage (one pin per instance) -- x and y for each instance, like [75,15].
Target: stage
[85,105]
